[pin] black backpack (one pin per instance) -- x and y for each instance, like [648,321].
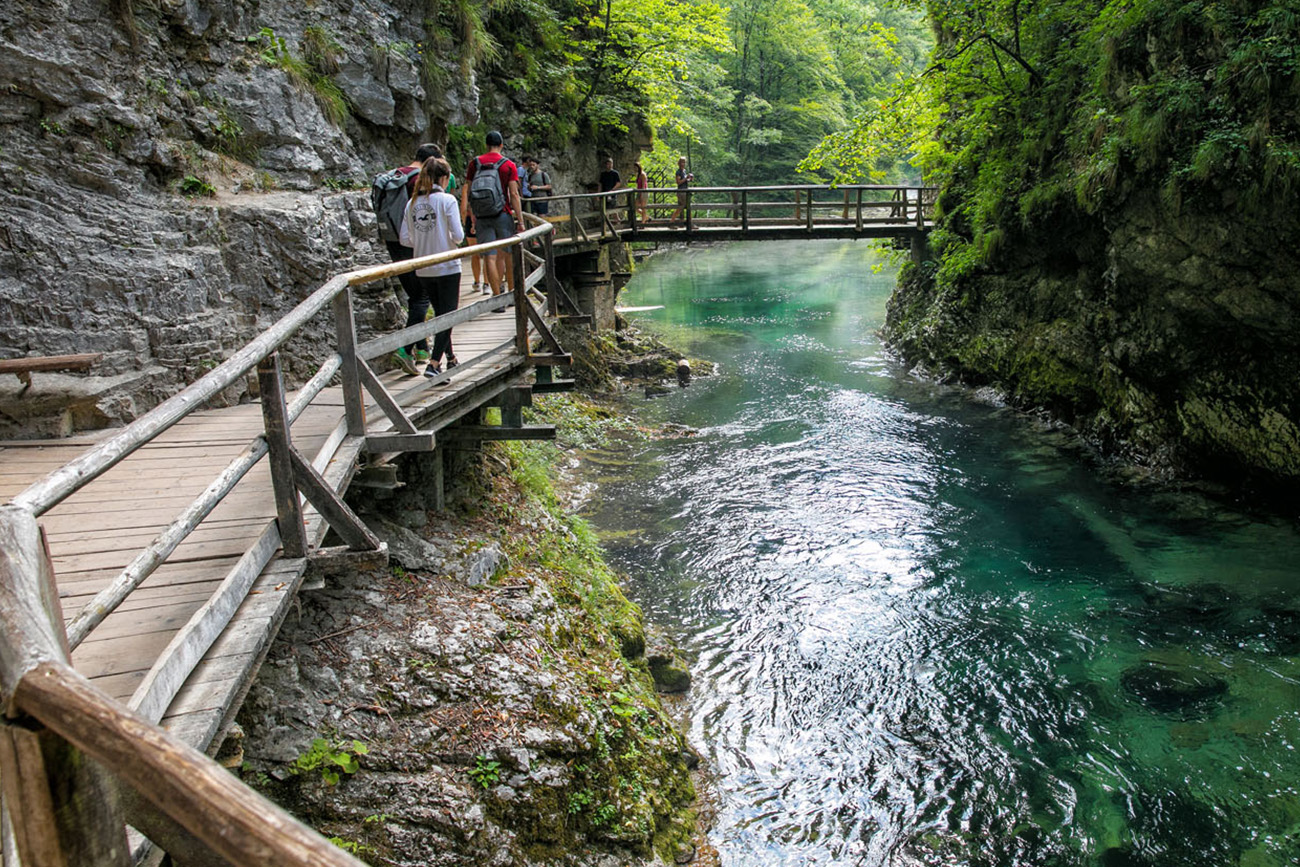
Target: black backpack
[388,198]
[486,198]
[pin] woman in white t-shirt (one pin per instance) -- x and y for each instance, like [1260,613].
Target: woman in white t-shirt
[432,225]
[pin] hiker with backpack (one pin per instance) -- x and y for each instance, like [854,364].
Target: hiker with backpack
[491,194]
[389,194]
[432,225]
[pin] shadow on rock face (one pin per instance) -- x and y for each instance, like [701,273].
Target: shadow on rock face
[1182,692]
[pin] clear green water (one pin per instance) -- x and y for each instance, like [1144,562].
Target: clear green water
[924,631]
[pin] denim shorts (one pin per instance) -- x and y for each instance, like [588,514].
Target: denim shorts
[496,228]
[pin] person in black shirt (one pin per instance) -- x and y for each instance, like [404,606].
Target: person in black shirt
[610,179]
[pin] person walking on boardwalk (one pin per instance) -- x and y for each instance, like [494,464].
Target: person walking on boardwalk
[540,181]
[683,179]
[642,184]
[433,225]
[388,205]
[495,204]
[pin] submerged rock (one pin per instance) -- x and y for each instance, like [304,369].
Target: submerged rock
[1178,691]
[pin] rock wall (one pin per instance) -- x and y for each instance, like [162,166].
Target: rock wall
[1167,334]
[174,177]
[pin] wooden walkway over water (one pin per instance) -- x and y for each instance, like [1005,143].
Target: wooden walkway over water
[146,571]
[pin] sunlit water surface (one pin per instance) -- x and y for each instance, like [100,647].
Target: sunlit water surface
[923,630]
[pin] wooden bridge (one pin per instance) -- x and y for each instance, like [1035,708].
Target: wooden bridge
[786,212]
[144,573]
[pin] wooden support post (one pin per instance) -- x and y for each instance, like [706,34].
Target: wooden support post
[521,300]
[689,220]
[439,480]
[744,211]
[513,401]
[345,326]
[573,220]
[920,210]
[552,282]
[545,374]
[604,214]
[845,214]
[808,213]
[858,220]
[62,807]
[275,418]
[798,194]
[631,209]
[342,520]
[386,401]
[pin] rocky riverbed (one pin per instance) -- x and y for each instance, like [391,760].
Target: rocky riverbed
[491,698]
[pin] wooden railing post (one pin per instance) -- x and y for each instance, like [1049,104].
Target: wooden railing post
[808,213]
[845,214]
[797,195]
[345,326]
[744,211]
[920,209]
[631,208]
[689,208]
[275,417]
[858,219]
[573,219]
[521,299]
[62,808]
[604,214]
[552,281]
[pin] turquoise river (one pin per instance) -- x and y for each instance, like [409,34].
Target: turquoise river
[927,629]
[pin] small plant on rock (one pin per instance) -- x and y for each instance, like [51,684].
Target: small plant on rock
[329,758]
[485,772]
[194,186]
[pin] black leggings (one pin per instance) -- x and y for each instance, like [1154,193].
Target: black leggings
[417,301]
[444,290]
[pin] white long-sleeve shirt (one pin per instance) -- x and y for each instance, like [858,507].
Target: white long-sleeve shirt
[432,225]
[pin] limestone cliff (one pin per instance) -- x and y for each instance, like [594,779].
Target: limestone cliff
[1120,246]
[176,175]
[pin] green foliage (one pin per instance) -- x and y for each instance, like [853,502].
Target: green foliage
[486,771]
[329,758]
[349,845]
[274,51]
[194,186]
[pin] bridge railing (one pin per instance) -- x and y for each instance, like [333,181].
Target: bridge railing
[56,808]
[789,209]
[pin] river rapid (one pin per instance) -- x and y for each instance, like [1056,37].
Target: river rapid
[924,628]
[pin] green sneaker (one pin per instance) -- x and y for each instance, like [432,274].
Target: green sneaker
[406,363]
[421,356]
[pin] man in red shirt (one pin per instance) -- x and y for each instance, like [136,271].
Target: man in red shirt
[503,224]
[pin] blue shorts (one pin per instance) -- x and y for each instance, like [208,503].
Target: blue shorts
[496,228]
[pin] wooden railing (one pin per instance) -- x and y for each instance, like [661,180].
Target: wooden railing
[59,809]
[790,210]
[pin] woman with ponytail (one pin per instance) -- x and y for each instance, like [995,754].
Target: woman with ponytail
[432,225]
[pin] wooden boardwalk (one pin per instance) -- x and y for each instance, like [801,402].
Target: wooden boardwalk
[96,532]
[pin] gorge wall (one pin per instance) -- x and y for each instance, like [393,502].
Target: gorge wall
[1121,247]
[174,176]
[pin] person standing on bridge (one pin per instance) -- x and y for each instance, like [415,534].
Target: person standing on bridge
[433,225]
[496,208]
[406,358]
[610,179]
[683,179]
[642,184]
[540,181]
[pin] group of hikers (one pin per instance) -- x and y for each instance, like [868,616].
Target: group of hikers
[422,210]
[611,180]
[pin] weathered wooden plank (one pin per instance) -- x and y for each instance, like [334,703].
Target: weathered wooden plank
[337,514]
[187,648]
[479,432]
[50,362]
[194,791]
